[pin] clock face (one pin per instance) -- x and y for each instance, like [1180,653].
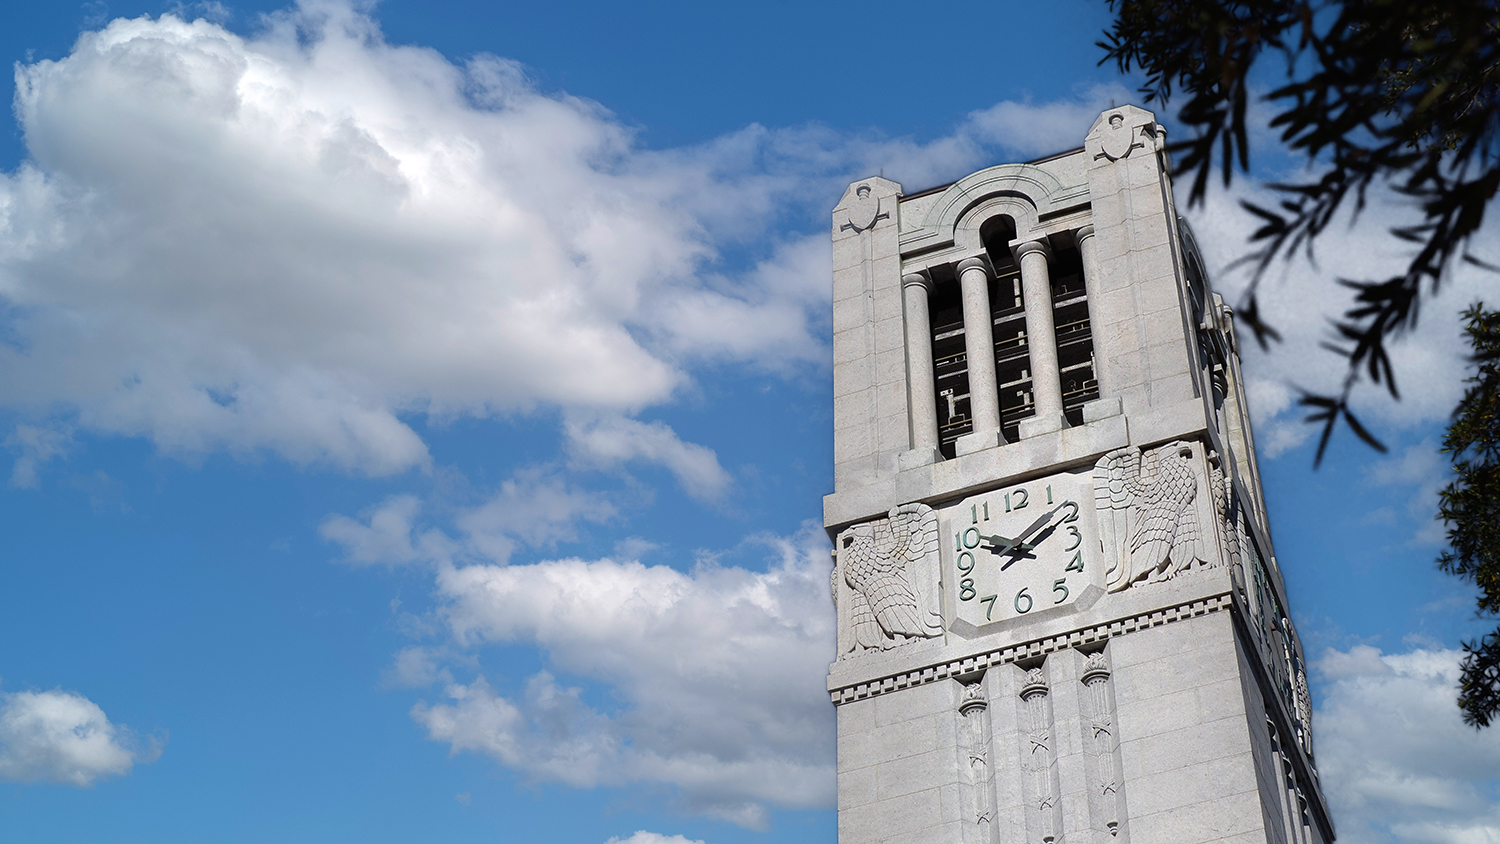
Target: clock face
[1023,551]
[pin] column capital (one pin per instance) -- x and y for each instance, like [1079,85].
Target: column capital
[1021,250]
[975,263]
[917,280]
[1084,233]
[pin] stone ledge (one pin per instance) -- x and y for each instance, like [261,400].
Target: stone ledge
[1034,648]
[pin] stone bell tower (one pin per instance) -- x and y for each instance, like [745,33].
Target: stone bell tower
[1060,615]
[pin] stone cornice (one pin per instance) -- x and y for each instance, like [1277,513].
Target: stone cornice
[1034,648]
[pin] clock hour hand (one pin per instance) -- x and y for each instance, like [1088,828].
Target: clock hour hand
[998,544]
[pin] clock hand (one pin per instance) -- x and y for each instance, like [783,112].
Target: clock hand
[1041,521]
[998,543]
[1024,555]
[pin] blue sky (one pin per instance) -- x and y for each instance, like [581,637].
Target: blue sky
[418,416]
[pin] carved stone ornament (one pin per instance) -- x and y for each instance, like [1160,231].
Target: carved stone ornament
[1303,705]
[1119,139]
[864,210]
[885,580]
[976,796]
[973,697]
[1147,515]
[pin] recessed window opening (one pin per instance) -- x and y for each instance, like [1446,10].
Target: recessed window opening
[950,360]
[1008,313]
[1075,340]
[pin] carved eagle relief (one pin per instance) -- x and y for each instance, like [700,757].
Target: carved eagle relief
[889,569]
[1147,513]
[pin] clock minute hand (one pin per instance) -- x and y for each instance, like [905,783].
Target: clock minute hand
[1019,543]
[1037,525]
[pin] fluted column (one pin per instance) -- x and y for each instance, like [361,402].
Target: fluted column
[919,374]
[1041,338]
[1091,284]
[979,346]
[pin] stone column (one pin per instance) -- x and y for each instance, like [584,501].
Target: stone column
[979,345]
[919,373]
[1091,289]
[1041,339]
[1108,403]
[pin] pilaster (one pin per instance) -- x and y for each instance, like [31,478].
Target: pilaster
[869,398]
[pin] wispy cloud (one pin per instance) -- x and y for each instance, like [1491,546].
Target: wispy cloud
[615,441]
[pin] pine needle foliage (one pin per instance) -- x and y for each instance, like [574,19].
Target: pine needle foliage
[1470,507]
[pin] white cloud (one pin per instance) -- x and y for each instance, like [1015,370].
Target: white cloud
[288,242]
[1397,762]
[532,508]
[62,737]
[778,316]
[385,536]
[416,667]
[718,674]
[294,243]
[615,440]
[1035,129]
[644,837]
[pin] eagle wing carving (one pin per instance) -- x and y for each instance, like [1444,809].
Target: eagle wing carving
[1157,490]
[1166,531]
[878,560]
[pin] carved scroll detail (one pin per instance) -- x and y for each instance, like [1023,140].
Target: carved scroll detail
[1147,513]
[885,580]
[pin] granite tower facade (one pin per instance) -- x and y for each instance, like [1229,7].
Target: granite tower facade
[1061,618]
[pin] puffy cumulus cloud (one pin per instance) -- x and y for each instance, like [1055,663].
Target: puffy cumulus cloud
[1300,297]
[779,319]
[643,837]
[62,737]
[616,440]
[288,242]
[298,242]
[417,667]
[1397,762]
[717,673]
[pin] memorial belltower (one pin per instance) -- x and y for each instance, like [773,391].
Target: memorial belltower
[1061,620]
